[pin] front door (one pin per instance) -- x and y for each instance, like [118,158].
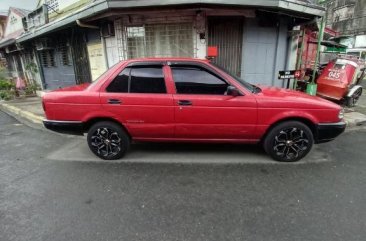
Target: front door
[204,111]
[138,98]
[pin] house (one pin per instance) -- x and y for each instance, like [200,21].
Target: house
[349,19]
[20,60]
[81,39]
[3,18]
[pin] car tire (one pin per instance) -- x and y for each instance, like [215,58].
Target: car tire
[108,140]
[288,141]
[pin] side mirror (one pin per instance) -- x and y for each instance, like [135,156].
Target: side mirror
[233,91]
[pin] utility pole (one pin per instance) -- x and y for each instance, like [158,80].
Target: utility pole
[311,87]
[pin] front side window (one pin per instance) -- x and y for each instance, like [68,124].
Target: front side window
[147,80]
[195,80]
[139,79]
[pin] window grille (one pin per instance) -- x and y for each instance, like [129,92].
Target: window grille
[156,40]
[52,5]
[65,54]
[47,58]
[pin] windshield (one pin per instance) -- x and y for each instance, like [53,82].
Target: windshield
[357,54]
[250,87]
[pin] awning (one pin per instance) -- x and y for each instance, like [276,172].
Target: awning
[99,6]
[329,43]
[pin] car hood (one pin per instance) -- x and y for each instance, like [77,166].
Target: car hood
[73,88]
[274,96]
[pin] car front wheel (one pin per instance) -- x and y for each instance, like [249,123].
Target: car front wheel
[289,141]
[108,140]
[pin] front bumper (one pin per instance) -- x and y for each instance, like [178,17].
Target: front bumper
[65,127]
[328,131]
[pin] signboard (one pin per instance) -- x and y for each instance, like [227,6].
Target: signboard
[96,59]
[289,74]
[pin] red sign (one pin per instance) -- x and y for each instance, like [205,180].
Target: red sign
[297,74]
[212,51]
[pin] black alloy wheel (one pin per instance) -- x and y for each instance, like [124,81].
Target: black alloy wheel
[289,141]
[108,140]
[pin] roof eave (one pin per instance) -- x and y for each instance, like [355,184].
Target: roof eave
[7,43]
[289,5]
[104,5]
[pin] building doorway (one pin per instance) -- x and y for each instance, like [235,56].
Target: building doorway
[227,34]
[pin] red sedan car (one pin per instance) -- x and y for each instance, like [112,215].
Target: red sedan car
[189,100]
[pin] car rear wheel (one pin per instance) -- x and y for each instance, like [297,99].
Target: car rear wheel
[108,140]
[289,141]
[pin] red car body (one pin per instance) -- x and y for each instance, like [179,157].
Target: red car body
[170,116]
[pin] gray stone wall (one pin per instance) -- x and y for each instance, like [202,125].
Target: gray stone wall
[347,16]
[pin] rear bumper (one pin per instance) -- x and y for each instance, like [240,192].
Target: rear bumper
[65,127]
[329,131]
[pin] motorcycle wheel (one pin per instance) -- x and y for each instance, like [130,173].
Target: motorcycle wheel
[352,100]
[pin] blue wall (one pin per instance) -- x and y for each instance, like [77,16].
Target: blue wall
[264,52]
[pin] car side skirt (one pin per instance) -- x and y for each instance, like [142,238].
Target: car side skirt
[244,141]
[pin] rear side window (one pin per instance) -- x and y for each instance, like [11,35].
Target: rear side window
[120,83]
[139,79]
[195,80]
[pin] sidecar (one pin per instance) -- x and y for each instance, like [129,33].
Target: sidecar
[340,80]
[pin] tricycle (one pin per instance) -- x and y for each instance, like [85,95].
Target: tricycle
[340,80]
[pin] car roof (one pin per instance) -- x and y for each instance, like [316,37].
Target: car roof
[167,59]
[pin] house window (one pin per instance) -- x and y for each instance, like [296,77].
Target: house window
[47,58]
[52,5]
[159,40]
[65,54]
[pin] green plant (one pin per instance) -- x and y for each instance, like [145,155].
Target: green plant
[32,67]
[7,90]
[2,73]
[31,89]
[5,95]
[6,85]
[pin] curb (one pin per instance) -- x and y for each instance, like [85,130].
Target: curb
[355,119]
[20,114]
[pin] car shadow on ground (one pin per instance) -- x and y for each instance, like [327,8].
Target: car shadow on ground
[185,153]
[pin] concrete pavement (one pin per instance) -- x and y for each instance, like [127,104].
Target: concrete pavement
[52,188]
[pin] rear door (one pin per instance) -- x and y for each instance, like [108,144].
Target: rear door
[138,97]
[204,111]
